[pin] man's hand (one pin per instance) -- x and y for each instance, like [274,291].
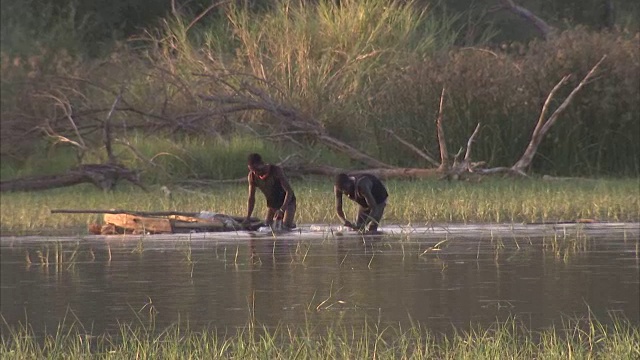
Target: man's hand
[279,214]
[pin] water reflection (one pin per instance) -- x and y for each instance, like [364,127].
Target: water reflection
[441,283]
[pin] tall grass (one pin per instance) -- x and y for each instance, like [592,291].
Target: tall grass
[416,203]
[333,60]
[581,339]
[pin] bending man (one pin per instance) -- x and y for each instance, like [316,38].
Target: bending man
[270,179]
[370,194]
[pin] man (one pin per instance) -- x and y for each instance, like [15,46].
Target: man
[270,179]
[366,190]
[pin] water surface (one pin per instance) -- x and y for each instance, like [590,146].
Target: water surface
[440,277]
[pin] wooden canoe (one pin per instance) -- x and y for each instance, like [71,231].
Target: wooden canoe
[136,224]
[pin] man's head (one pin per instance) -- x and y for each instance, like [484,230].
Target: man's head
[343,182]
[255,164]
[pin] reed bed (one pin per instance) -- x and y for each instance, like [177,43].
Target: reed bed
[412,203]
[510,339]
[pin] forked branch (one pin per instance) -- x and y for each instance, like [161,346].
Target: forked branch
[542,127]
[444,155]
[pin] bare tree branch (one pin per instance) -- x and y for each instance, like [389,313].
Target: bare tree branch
[248,97]
[543,127]
[467,155]
[203,13]
[444,155]
[65,105]
[107,131]
[415,149]
[385,173]
[545,29]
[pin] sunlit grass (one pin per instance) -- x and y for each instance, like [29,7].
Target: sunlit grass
[576,339]
[414,203]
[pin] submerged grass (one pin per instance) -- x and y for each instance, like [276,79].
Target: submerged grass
[576,339]
[414,203]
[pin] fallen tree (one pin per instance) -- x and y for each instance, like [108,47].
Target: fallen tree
[105,176]
[250,96]
[239,93]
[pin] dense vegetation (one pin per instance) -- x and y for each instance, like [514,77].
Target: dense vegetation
[356,69]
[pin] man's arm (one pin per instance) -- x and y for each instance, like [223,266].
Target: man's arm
[339,210]
[251,201]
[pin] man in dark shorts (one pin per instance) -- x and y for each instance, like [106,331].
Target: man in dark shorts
[366,190]
[270,179]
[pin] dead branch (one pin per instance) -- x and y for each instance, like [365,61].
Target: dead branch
[495,170]
[352,152]
[465,166]
[444,155]
[107,131]
[104,176]
[467,155]
[203,13]
[384,173]
[542,127]
[415,149]
[248,97]
[545,29]
[67,110]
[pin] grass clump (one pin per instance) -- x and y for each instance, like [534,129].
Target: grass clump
[589,339]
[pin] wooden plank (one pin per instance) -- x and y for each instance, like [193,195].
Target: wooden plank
[118,211]
[201,225]
[175,214]
[138,223]
[190,219]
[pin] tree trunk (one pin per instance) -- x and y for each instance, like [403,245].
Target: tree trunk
[104,176]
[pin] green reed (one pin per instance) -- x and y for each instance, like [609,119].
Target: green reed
[411,203]
[576,338]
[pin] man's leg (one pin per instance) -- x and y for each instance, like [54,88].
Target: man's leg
[375,216]
[269,219]
[289,215]
[362,219]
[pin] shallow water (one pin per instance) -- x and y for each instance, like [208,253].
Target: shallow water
[442,277]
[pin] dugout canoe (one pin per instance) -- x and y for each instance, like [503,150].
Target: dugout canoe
[134,222]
